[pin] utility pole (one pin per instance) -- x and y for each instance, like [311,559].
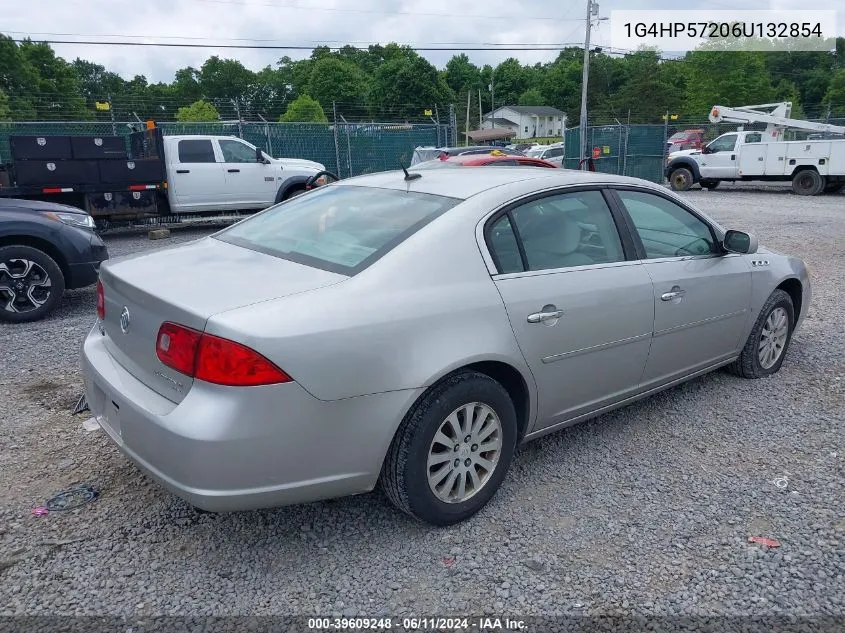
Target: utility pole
[492,98]
[114,125]
[466,136]
[238,113]
[592,10]
[480,114]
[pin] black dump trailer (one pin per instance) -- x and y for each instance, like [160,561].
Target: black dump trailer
[114,178]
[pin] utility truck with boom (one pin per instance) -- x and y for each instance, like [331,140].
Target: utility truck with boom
[813,166]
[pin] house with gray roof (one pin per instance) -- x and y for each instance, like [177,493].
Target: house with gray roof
[527,121]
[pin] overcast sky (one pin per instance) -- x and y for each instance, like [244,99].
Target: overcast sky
[313,22]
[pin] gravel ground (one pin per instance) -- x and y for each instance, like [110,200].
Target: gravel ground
[646,510]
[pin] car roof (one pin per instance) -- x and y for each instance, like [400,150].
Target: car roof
[471,160]
[465,183]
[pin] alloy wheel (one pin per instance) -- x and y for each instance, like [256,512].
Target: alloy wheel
[24,285]
[464,452]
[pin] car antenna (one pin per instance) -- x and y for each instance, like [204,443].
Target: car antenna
[407,175]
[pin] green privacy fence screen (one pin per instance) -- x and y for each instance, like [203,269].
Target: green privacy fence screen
[628,150]
[348,149]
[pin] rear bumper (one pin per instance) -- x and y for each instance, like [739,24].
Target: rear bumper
[230,448]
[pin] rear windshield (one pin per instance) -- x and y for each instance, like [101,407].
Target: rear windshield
[339,228]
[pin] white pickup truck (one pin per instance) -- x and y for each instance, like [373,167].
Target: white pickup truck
[150,174]
[814,166]
[219,173]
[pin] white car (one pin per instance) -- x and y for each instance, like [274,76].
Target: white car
[551,153]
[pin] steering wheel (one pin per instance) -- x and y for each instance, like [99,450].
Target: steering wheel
[309,184]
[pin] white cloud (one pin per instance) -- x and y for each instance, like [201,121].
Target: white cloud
[339,21]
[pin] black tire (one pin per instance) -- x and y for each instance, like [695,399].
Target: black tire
[707,183]
[293,192]
[807,182]
[681,179]
[11,265]
[748,364]
[404,476]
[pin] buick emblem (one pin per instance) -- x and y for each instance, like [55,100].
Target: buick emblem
[41,141]
[98,142]
[130,165]
[51,166]
[124,320]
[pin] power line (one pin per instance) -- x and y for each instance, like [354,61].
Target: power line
[313,43]
[555,47]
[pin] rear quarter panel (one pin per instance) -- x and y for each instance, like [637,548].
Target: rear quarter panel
[426,308]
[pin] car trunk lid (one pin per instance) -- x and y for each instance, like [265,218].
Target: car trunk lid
[187,285]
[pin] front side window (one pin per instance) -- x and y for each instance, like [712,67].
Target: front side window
[665,228]
[237,152]
[559,231]
[723,144]
[196,151]
[341,229]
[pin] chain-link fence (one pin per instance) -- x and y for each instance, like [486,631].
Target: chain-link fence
[629,150]
[348,149]
[640,150]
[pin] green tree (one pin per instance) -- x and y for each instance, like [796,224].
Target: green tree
[336,80]
[835,97]
[407,85]
[532,97]
[57,86]
[224,80]
[461,75]
[729,78]
[647,92]
[304,109]
[198,111]
[4,107]
[509,82]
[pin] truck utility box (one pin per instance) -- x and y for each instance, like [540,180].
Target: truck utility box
[40,147]
[127,172]
[97,147]
[56,172]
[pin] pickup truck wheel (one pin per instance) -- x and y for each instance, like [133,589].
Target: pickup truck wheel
[31,284]
[292,193]
[807,182]
[710,184]
[681,179]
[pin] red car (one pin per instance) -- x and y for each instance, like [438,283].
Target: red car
[479,160]
[687,139]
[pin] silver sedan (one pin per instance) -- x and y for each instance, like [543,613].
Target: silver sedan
[409,331]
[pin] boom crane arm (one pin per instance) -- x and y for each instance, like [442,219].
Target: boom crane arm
[777,117]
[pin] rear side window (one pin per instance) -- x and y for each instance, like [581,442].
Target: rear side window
[340,228]
[196,151]
[558,151]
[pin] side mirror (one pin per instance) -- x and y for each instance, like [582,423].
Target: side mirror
[259,156]
[739,242]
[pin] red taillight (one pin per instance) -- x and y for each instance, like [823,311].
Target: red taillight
[176,347]
[101,301]
[214,359]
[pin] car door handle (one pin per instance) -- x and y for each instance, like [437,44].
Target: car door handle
[234,171]
[539,317]
[675,293]
[183,171]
